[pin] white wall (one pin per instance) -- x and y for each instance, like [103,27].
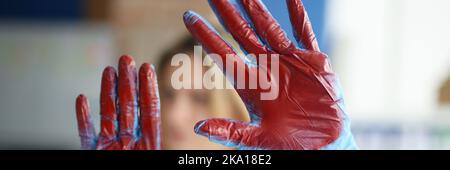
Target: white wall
[44,66]
[392,56]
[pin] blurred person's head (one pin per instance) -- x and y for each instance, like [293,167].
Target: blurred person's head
[181,109]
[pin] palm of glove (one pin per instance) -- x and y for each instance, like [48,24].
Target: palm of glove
[307,113]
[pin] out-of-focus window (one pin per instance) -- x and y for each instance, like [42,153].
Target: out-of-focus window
[393,56]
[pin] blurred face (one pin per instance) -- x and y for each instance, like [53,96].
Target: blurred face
[180,110]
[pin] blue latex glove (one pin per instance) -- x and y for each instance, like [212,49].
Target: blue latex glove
[309,111]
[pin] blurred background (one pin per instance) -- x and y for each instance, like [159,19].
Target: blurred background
[392,56]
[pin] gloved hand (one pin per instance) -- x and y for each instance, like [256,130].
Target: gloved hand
[122,128]
[309,112]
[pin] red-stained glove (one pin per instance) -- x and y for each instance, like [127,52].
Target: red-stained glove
[122,128]
[309,112]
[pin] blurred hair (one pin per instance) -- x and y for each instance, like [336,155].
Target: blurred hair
[444,93]
[185,45]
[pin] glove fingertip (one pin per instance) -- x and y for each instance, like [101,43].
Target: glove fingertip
[190,17]
[201,128]
[82,107]
[81,98]
[126,60]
